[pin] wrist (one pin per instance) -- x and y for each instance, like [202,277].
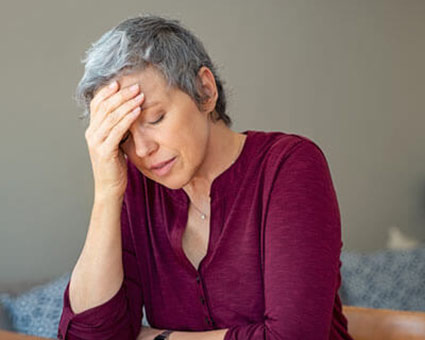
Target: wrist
[108,192]
[103,198]
[164,335]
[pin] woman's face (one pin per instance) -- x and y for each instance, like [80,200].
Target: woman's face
[170,129]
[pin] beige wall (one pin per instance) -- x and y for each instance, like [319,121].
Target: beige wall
[348,74]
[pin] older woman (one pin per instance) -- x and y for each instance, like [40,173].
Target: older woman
[218,234]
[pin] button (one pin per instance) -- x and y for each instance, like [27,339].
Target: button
[209,321]
[202,300]
[198,279]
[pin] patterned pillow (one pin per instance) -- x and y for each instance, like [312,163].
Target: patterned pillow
[391,279]
[37,312]
[5,322]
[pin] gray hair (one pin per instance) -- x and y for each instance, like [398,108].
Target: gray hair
[146,41]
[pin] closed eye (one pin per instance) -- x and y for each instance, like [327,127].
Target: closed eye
[126,136]
[158,120]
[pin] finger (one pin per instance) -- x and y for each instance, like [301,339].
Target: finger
[111,103]
[115,117]
[114,138]
[102,94]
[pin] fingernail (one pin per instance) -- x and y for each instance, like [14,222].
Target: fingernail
[113,84]
[134,87]
[139,97]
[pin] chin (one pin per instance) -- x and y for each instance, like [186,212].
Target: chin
[174,182]
[171,182]
[172,187]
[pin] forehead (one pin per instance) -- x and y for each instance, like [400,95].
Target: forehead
[151,82]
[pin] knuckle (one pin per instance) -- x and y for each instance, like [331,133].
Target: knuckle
[122,96]
[94,102]
[111,118]
[126,107]
[90,143]
[103,106]
[90,138]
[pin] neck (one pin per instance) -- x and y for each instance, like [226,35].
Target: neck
[224,146]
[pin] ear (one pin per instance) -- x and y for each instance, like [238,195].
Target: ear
[207,89]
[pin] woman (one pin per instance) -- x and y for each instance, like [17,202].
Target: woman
[219,234]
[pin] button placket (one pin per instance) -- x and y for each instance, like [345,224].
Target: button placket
[208,320]
[201,292]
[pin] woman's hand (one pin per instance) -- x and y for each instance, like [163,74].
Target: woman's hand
[112,111]
[148,333]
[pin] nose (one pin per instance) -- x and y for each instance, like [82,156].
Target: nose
[144,144]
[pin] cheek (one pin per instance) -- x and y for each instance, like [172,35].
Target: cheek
[197,150]
[194,140]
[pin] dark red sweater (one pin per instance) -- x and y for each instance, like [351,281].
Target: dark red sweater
[272,269]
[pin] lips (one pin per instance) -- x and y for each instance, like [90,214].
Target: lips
[160,165]
[164,167]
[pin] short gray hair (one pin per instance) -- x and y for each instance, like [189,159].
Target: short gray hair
[144,41]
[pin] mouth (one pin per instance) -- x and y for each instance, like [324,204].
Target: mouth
[161,169]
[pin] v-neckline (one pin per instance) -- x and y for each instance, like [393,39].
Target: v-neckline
[193,228]
[182,199]
[178,237]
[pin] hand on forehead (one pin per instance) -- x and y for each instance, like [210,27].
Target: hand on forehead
[151,83]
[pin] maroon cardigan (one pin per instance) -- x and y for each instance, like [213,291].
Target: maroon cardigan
[272,269]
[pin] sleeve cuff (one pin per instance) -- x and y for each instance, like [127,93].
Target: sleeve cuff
[103,315]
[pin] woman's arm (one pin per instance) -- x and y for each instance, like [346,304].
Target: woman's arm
[95,303]
[98,274]
[302,243]
[150,334]
[120,315]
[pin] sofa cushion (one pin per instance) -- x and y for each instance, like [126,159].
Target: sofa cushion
[5,322]
[38,310]
[391,279]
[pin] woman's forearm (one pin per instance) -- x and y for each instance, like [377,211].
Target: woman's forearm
[98,273]
[148,333]
[208,335]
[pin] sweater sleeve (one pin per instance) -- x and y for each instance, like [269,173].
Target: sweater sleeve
[302,244]
[120,317]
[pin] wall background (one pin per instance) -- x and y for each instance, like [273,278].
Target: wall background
[348,74]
